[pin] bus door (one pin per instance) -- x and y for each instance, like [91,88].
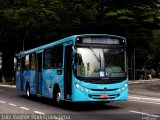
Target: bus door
[39,74]
[68,72]
[21,73]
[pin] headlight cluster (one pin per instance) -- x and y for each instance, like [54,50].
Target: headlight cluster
[123,88]
[81,87]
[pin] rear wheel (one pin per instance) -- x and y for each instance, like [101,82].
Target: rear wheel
[57,96]
[28,91]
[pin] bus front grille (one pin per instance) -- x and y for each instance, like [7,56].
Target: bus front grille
[110,97]
[104,90]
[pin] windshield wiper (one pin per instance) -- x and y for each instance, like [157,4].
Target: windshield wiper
[95,55]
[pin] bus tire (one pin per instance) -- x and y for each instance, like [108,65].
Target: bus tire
[56,96]
[28,91]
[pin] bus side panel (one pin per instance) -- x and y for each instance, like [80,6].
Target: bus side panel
[47,83]
[49,78]
[33,82]
[18,80]
[30,76]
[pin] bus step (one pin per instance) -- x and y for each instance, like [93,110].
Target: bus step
[39,95]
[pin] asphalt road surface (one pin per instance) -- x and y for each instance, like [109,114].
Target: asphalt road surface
[143,104]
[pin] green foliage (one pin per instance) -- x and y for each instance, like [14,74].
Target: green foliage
[119,12]
[155,43]
[38,21]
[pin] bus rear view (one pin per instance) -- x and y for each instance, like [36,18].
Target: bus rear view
[100,69]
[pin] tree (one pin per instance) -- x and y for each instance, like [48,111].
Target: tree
[24,21]
[37,22]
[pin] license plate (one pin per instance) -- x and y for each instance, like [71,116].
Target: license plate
[104,96]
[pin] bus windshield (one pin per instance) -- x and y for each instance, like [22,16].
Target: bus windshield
[99,62]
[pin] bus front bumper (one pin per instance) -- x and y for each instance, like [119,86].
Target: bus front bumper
[81,95]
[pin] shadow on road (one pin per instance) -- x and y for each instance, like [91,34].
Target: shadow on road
[154,88]
[74,106]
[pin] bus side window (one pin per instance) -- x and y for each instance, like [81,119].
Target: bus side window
[57,53]
[47,58]
[33,61]
[18,64]
[27,62]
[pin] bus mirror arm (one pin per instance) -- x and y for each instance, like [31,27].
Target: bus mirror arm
[73,49]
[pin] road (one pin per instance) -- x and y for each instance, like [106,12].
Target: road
[143,104]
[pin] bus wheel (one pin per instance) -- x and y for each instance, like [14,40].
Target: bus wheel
[56,97]
[28,91]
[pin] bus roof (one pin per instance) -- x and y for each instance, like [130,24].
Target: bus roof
[70,38]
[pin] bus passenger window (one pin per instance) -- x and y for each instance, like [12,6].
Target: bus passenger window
[47,58]
[27,62]
[57,53]
[18,67]
[33,61]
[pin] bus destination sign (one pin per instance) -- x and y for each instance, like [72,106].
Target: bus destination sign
[100,40]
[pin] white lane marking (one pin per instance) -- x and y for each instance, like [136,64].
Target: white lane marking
[1,90]
[143,113]
[142,92]
[24,108]
[37,112]
[144,98]
[12,104]
[145,102]
[2,102]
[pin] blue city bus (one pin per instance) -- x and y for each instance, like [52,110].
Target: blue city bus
[79,68]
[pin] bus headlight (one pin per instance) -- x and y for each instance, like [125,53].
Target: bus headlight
[126,85]
[77,85]
[87,90]
[123,88]
[81,87]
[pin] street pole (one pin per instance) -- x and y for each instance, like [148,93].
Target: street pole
[23,45]
[134,62]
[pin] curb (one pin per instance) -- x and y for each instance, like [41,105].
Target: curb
[9,86]
[142,81]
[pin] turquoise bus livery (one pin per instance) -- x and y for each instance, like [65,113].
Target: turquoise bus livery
[79,68]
